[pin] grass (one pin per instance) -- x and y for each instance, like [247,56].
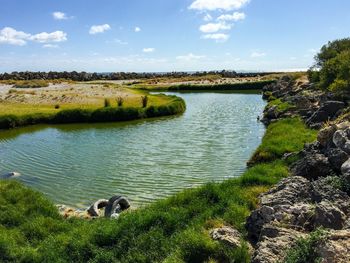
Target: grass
[16,115]
[175,229]
[281,106]
[286,136]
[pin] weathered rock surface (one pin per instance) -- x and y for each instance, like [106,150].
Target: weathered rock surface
[226,234]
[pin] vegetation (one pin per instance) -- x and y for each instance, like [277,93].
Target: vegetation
[281,106]
[120,101]
[277,141]
[107,103]
[332,68]
[255,85]
[172,230]
[85,76]
[144,100]
[174,105]
[305,249]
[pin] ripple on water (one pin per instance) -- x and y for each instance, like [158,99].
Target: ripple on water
[144,160]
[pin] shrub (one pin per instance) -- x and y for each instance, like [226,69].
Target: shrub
[305,249]
[144,101]
[107,103]
[120,101]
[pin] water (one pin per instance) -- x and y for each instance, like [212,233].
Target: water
[142,160]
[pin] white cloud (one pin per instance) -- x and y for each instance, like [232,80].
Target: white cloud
[59,16]
[257,54]
[99,29]
[11,36]
[148,50]
[50,46]
[117,41]
[219,37]
[211,5]
[214,27]
[236,16]
[57,36]
[207,18]
[137,29]
[189,57]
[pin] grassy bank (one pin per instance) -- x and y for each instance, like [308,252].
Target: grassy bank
[42,115]
[254,85]
[172,230]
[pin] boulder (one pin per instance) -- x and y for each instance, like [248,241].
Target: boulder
[228,235]
[329,216]
[336,158]
[340,138]
[274,244]
[312,166]
[335,248]
[325,135]
[345,168]
[327,111]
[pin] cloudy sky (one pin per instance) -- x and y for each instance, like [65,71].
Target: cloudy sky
[167,35]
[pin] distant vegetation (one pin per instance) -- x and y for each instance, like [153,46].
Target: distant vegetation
[172,230]
[332,68]
[85,76]
[254,85]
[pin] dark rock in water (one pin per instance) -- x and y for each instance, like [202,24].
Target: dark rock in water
[312,166]
[337,158]
[10,175]
[329,216]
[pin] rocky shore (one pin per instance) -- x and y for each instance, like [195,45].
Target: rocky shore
[315,198]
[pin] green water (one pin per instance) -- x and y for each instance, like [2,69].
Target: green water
[143,160]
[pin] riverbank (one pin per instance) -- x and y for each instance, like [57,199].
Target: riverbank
[81,103]
[178,229]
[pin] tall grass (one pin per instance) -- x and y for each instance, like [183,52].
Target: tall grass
[175,229]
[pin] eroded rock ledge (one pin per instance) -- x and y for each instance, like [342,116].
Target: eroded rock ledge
[316,195]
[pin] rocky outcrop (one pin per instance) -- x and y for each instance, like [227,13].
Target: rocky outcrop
[317,192]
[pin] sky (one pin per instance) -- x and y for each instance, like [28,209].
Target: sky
[167,35]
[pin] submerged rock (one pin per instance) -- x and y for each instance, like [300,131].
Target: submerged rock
[10,175]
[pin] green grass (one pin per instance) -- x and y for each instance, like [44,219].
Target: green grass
[174,105]
[281,106]
[175,229]
[285,136]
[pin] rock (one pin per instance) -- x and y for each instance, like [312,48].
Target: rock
[335,248]
[257,219]
[274,244]
[336,158]
[325,135]
[345,168]
[343,125]
[329,216]
[10,175]
[326,112]
[312,166]
[94,209]
[340,138]
[227,235]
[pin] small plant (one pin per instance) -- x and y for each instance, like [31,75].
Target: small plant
[107,103]
[120,101]
[144,100]
[57,106]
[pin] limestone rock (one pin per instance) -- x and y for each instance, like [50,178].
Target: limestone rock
[329,216]
[228,235]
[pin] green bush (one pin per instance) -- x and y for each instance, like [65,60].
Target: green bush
[332,69]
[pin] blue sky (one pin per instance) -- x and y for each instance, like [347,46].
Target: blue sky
[167,35]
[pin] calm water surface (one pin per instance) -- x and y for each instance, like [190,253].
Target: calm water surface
[143,160]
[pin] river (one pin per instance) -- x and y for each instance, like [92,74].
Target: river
[142,160]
